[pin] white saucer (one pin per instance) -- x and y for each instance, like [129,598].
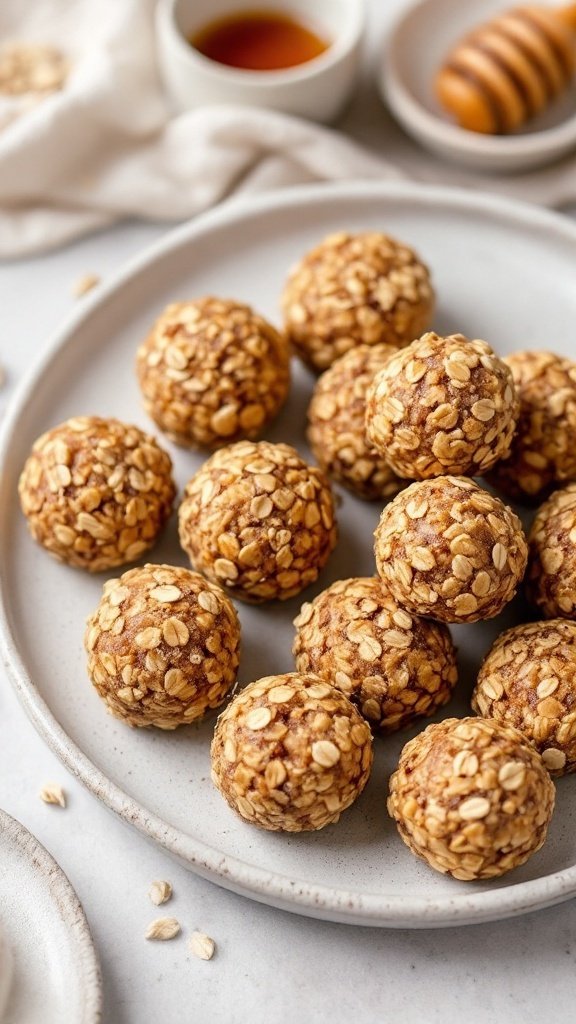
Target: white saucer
[414,50]
[56,976]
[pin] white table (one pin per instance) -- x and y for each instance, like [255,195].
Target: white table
[271,967]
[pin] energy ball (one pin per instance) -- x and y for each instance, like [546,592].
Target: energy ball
[355,289]
[258,520]
[336,431]
[394,666]
[551,577]
[212,371]
[290,753]
[449,550]
[471,797]
[96,492]
[528,679]
[543,453]
[163,646]
[442,405]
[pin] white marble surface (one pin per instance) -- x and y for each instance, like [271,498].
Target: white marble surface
[270,966]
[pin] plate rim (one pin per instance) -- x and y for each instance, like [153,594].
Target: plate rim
[371,909]
[69,909]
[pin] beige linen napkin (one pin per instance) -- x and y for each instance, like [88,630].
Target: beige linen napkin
[107,145]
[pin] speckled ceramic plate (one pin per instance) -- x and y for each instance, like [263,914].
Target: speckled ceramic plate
[504,272]
[55,977]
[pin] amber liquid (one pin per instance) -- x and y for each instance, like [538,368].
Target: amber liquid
[259,41]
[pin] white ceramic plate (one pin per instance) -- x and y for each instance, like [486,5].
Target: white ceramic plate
[56,976]
[504,272]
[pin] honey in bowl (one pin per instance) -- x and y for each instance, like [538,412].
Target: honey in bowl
[259,41]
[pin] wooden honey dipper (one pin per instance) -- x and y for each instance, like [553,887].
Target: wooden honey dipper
[507,70]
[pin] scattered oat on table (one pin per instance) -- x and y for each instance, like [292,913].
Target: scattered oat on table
[162,929]
[30,68]
[160,892]
[52,793]
[202,945]
[85,284]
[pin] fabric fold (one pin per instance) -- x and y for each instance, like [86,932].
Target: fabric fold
[108,146]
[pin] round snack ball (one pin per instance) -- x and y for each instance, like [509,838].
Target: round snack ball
[354,289]
[442,405]
[543,452]
[471,797]
[551,576]
[258,520]
[96,492]
[212,371]
[290,753]
[528,679]
[336,431]
[449,550]
[163,646]
[394,666]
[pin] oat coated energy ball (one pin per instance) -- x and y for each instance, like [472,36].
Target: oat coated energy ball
[528,679]
[551,576]
[449,550]
[442,405]
[336,430]
[355,289]
[290,753]
[471,797]
[394,666]
[96,492]
[543,453]
[212,371]
[163,646]
[258,520]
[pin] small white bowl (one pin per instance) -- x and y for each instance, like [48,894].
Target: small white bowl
[317,89]
[414,50]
